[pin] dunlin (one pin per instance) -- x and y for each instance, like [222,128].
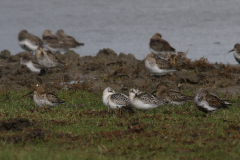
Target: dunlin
[236,52]
[172,96]
[42,97]
[69,39]
[208,102]
[114,100]
[157,66]
[47,59]
[144,101]
[28,41]
[28,60]
[160,46]
[53,43]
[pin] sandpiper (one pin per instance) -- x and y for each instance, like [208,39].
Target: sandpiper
[69,39]
[144,101]
[114,100]
[53,43]
[157,66]
[236,52]
[42,97]
[28,41]
[160,46]
[47,59]
[208,102]
[28,60]
[172,96]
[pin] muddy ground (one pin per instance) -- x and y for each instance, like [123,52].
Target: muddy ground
[120,72]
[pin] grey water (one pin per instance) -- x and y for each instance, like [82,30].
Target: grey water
[208,28]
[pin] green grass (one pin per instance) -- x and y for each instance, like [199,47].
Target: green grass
[82,129]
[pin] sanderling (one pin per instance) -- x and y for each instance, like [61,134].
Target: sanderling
[172,96]
[114,100]
[208,102]
[144,101]
[28,60]
[69,39]
[42,97]
[236,52]
[157,66]
[159,46]
[47,59]
[28,41]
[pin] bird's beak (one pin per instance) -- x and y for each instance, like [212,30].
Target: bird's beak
[231,50]
[27,94]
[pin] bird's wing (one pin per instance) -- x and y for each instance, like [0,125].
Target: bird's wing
[178,96]
[214,101]
[53,98]
[120,99]
[161,45]
[34,39]
[163,64]
[147,98]
[53,57]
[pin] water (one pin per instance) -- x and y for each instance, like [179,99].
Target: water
[205,28]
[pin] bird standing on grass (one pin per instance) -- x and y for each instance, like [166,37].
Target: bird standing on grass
[144,101]
[42,97]
[208,102]
[113,100]
[172,96]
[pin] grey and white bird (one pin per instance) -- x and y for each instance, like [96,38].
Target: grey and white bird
[157,66]
[144,101]
[28,41]
[208,102]
[159,46]
[113,100]
[236,52]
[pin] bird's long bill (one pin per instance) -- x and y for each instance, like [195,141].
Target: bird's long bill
[27,94]
[231,50]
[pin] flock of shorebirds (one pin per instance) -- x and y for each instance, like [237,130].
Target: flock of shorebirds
[155,62]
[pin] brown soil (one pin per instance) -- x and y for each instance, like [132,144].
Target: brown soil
[120,72]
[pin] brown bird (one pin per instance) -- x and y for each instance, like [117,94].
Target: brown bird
[236,52]
[157,66]
[208,102]
[172,96]
[160,46]
[42,97]
[69,39]
[47,59]
[28,41]
[53,43]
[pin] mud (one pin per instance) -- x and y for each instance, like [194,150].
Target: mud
[25,130]
[121,72]
[17,124]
